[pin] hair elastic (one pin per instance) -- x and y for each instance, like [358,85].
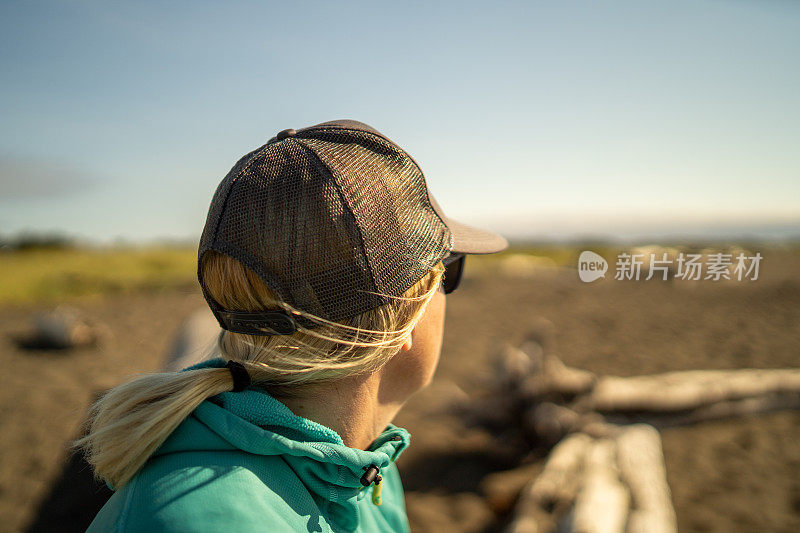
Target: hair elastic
[241,378]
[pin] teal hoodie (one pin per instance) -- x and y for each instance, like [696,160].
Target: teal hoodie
[244,462]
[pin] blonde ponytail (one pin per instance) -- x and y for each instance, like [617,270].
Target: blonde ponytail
[131,421]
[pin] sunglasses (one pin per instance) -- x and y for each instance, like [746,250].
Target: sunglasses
[453,270]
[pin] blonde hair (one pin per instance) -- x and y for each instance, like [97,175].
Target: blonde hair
[128,424]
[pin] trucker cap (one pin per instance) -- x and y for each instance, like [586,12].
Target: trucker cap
[336,219]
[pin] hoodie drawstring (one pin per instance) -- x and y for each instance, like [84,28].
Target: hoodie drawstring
[370,477]
[376,491]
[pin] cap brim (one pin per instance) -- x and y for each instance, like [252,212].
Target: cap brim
[471,240]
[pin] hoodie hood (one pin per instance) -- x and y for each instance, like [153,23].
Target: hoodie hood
[256,423]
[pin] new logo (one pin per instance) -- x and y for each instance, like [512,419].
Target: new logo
[591,266]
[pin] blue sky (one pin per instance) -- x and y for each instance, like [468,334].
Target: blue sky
[556,119]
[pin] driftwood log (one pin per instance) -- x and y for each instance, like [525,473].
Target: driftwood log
[554,488]
[641,465]
[196,335]
[64,327]
[605,470]
[601,505]
[715,411]
[557,484]
[680,391]
[557,399]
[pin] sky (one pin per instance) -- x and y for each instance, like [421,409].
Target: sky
[542,120]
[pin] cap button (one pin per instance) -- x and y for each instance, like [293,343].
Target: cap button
[286,133]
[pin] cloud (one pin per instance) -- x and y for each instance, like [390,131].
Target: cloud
[24,178]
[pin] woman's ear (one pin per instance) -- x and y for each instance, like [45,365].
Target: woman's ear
[407,344]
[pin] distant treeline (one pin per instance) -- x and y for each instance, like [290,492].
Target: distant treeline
[37,241]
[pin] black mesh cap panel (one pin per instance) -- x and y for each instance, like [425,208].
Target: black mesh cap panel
[327,217]
[403,236]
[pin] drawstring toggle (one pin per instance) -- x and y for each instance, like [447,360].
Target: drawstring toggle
[372,475]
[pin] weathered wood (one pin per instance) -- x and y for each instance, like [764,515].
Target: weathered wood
[534,520]
[502,489]
[556,378]
[641,465]
[554,487]
[601,505]
[568,380]
[63,327]
[557,483]
[716,411]
[679,391]
[606,464]
[195,338]
[541,331]
[514,364]
[550,422]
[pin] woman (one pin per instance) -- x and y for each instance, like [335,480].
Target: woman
[326,262]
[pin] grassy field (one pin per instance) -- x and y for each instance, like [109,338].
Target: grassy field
[48,275]
[54,275]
